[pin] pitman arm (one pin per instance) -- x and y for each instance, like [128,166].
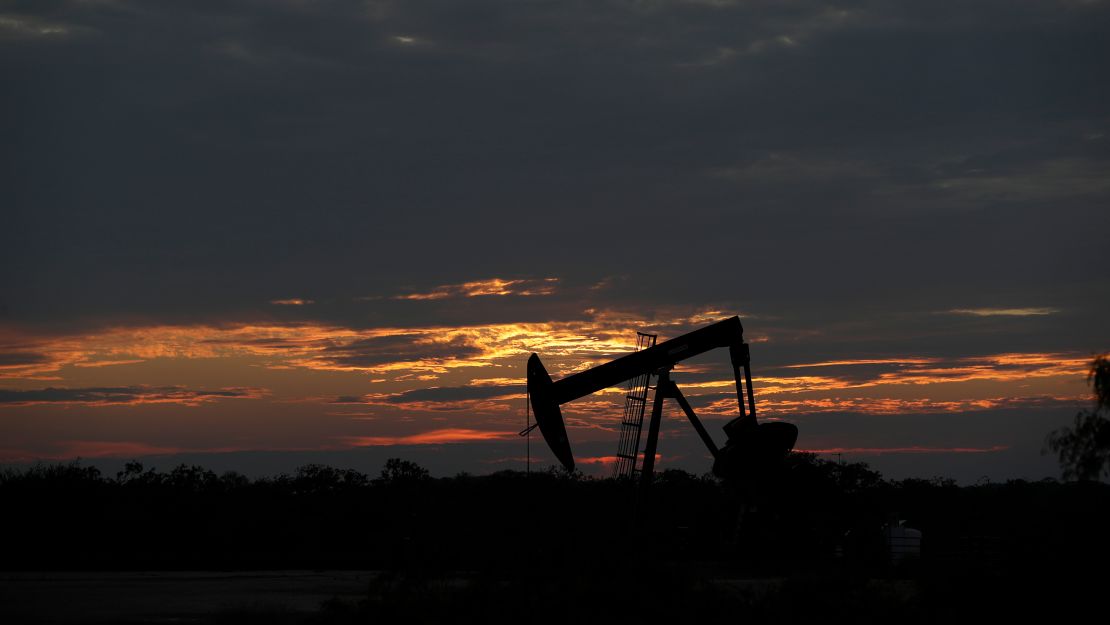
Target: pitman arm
[727,333]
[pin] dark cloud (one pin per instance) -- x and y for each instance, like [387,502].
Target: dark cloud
[372,352]
[347,399]
[456,393]
[120,395]
[436,397]
[238,151]
[17,359]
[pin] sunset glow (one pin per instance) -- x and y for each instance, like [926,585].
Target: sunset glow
[463,384]
[283,232]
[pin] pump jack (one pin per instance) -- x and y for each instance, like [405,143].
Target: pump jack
[752,448]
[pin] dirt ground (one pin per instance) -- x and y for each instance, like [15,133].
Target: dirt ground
[168,597]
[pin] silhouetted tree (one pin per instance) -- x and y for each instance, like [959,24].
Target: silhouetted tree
[319,478]
[1084,448]
[232,480]
[192,478]
[72,475]
[397,470]
[135,474]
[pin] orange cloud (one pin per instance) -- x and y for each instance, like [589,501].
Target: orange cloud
[1004,312]
[1004,367]
[408,357]
[567,346]
[600,460]
[884,405]
[108,363]
[433,437]
[318,346]
[871,361]
[606,460]
[493,286]
[998,367]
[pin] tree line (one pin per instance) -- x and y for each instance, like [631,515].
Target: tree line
[71,516]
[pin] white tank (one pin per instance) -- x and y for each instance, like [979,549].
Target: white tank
[902,542]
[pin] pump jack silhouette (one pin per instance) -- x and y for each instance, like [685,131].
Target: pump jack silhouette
[752,448]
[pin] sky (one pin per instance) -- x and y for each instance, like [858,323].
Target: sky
[258,233]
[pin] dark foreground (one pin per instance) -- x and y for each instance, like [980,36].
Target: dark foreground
[328,546]
[173,596]
[654,595]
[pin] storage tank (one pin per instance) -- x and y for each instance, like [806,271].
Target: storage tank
[902,542]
